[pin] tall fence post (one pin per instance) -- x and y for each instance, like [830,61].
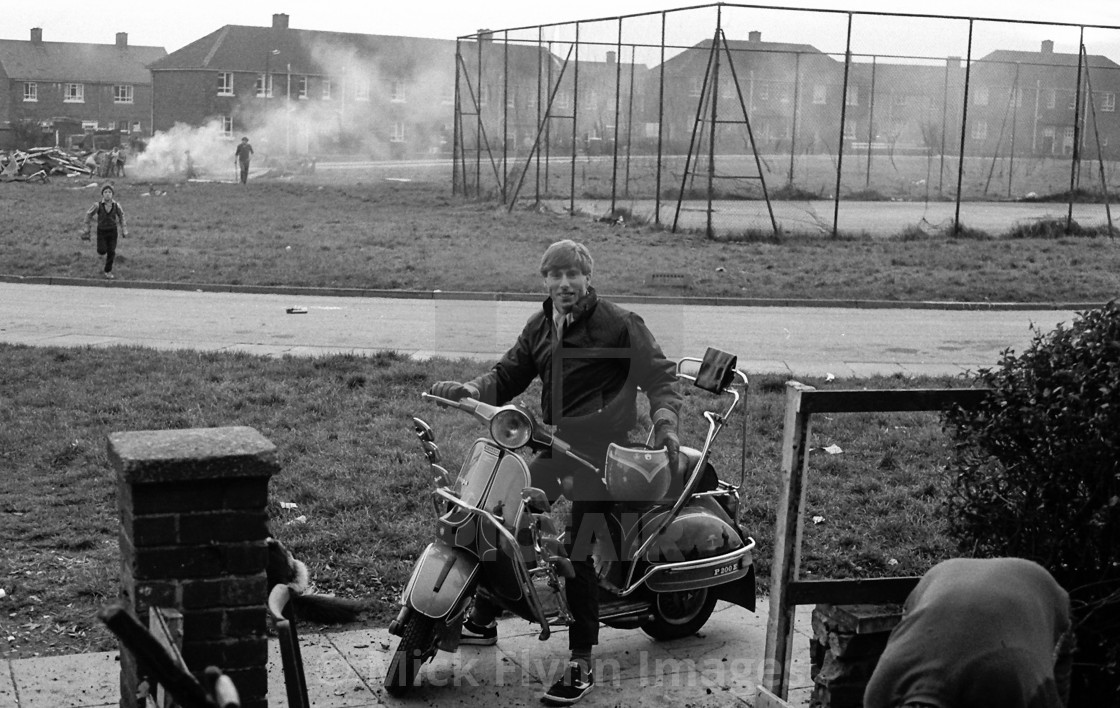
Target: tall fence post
[1076,162]
[843,119]
[964,131]
[193,537]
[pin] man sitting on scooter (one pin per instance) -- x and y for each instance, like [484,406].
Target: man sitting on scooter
[591,356]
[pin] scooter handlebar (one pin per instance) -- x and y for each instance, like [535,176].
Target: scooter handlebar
[486,412]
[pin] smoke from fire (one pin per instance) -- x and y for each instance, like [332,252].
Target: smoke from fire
[361,122]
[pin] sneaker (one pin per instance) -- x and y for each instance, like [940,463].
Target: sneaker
[572,686]
[109,276]
[479,635]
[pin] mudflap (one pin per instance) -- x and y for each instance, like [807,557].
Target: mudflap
[442,582]
[740,592]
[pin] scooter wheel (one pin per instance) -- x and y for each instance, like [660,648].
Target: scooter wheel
[417,645]
[679,614]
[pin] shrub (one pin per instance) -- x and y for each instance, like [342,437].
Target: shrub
[1054,228]
[1036,472]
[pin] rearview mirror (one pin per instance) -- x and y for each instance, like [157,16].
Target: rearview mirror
[423,431]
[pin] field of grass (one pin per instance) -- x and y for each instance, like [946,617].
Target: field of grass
[341,423]
[323,231]
[348,455]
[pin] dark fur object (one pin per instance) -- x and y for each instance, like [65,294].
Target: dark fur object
[284,569]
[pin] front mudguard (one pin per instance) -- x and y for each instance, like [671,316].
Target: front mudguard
[442,581]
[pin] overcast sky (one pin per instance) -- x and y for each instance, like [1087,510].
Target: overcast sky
[154,23]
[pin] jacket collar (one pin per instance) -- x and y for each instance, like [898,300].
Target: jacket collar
[580,310]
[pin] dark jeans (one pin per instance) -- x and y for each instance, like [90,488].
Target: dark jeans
[591,513]
[244,172]
[107,246]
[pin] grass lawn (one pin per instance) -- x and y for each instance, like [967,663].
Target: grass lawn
[416,236]
[350,463]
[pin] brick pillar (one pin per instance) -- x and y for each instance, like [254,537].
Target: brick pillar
[847,643]
[193,528]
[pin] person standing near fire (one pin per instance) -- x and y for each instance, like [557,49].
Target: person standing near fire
[108,217]
[241,156]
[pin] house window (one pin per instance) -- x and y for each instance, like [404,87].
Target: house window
[264,86]
[764,91]
[89,125]
[398,133]
[1017,97]
[397,91]
[225,83]
[74,93]
[361,90]
[301,87]
[853,96]
[1108,101]
[30,91]
[1051,98]
[136,128]
[327,88]
[982,96]
[1072,100]
[901,99]
[820,94]
[227,126]
[694,87]
[122,93]
[980,130]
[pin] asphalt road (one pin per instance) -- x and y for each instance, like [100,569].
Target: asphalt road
[806,341]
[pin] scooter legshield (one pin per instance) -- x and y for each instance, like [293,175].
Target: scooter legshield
[442,580]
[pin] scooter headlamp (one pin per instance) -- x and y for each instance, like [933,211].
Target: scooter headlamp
[511,428]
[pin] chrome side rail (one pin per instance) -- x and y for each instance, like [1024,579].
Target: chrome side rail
[690,565]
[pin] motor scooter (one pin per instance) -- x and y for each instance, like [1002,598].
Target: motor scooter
[680,548]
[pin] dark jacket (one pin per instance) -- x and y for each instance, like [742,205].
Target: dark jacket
[591,387]
[98,219]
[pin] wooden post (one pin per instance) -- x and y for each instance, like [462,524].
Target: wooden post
[787,542]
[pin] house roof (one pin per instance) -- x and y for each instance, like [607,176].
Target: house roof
[244,48]
[72,61]
[759,50]
[1095,61]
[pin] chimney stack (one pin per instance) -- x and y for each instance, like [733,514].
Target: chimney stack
[122,40]
[1047,46]
[611,58]
[280,20]
[36,35]
[485,35]
[754,36]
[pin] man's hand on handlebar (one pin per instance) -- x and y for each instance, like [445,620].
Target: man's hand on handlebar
[452,390]
[665,435]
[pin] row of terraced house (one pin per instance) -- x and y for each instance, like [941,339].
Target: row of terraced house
[391,96]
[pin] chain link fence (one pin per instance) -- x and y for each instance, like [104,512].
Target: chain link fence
[734,119]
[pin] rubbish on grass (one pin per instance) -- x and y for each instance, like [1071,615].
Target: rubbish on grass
[297,310]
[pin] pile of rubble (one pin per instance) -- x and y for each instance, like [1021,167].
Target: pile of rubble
[38,164]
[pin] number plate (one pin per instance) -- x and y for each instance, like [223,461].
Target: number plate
[725,569]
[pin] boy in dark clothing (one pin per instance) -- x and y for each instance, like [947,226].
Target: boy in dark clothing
[241,156]
[109,218]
